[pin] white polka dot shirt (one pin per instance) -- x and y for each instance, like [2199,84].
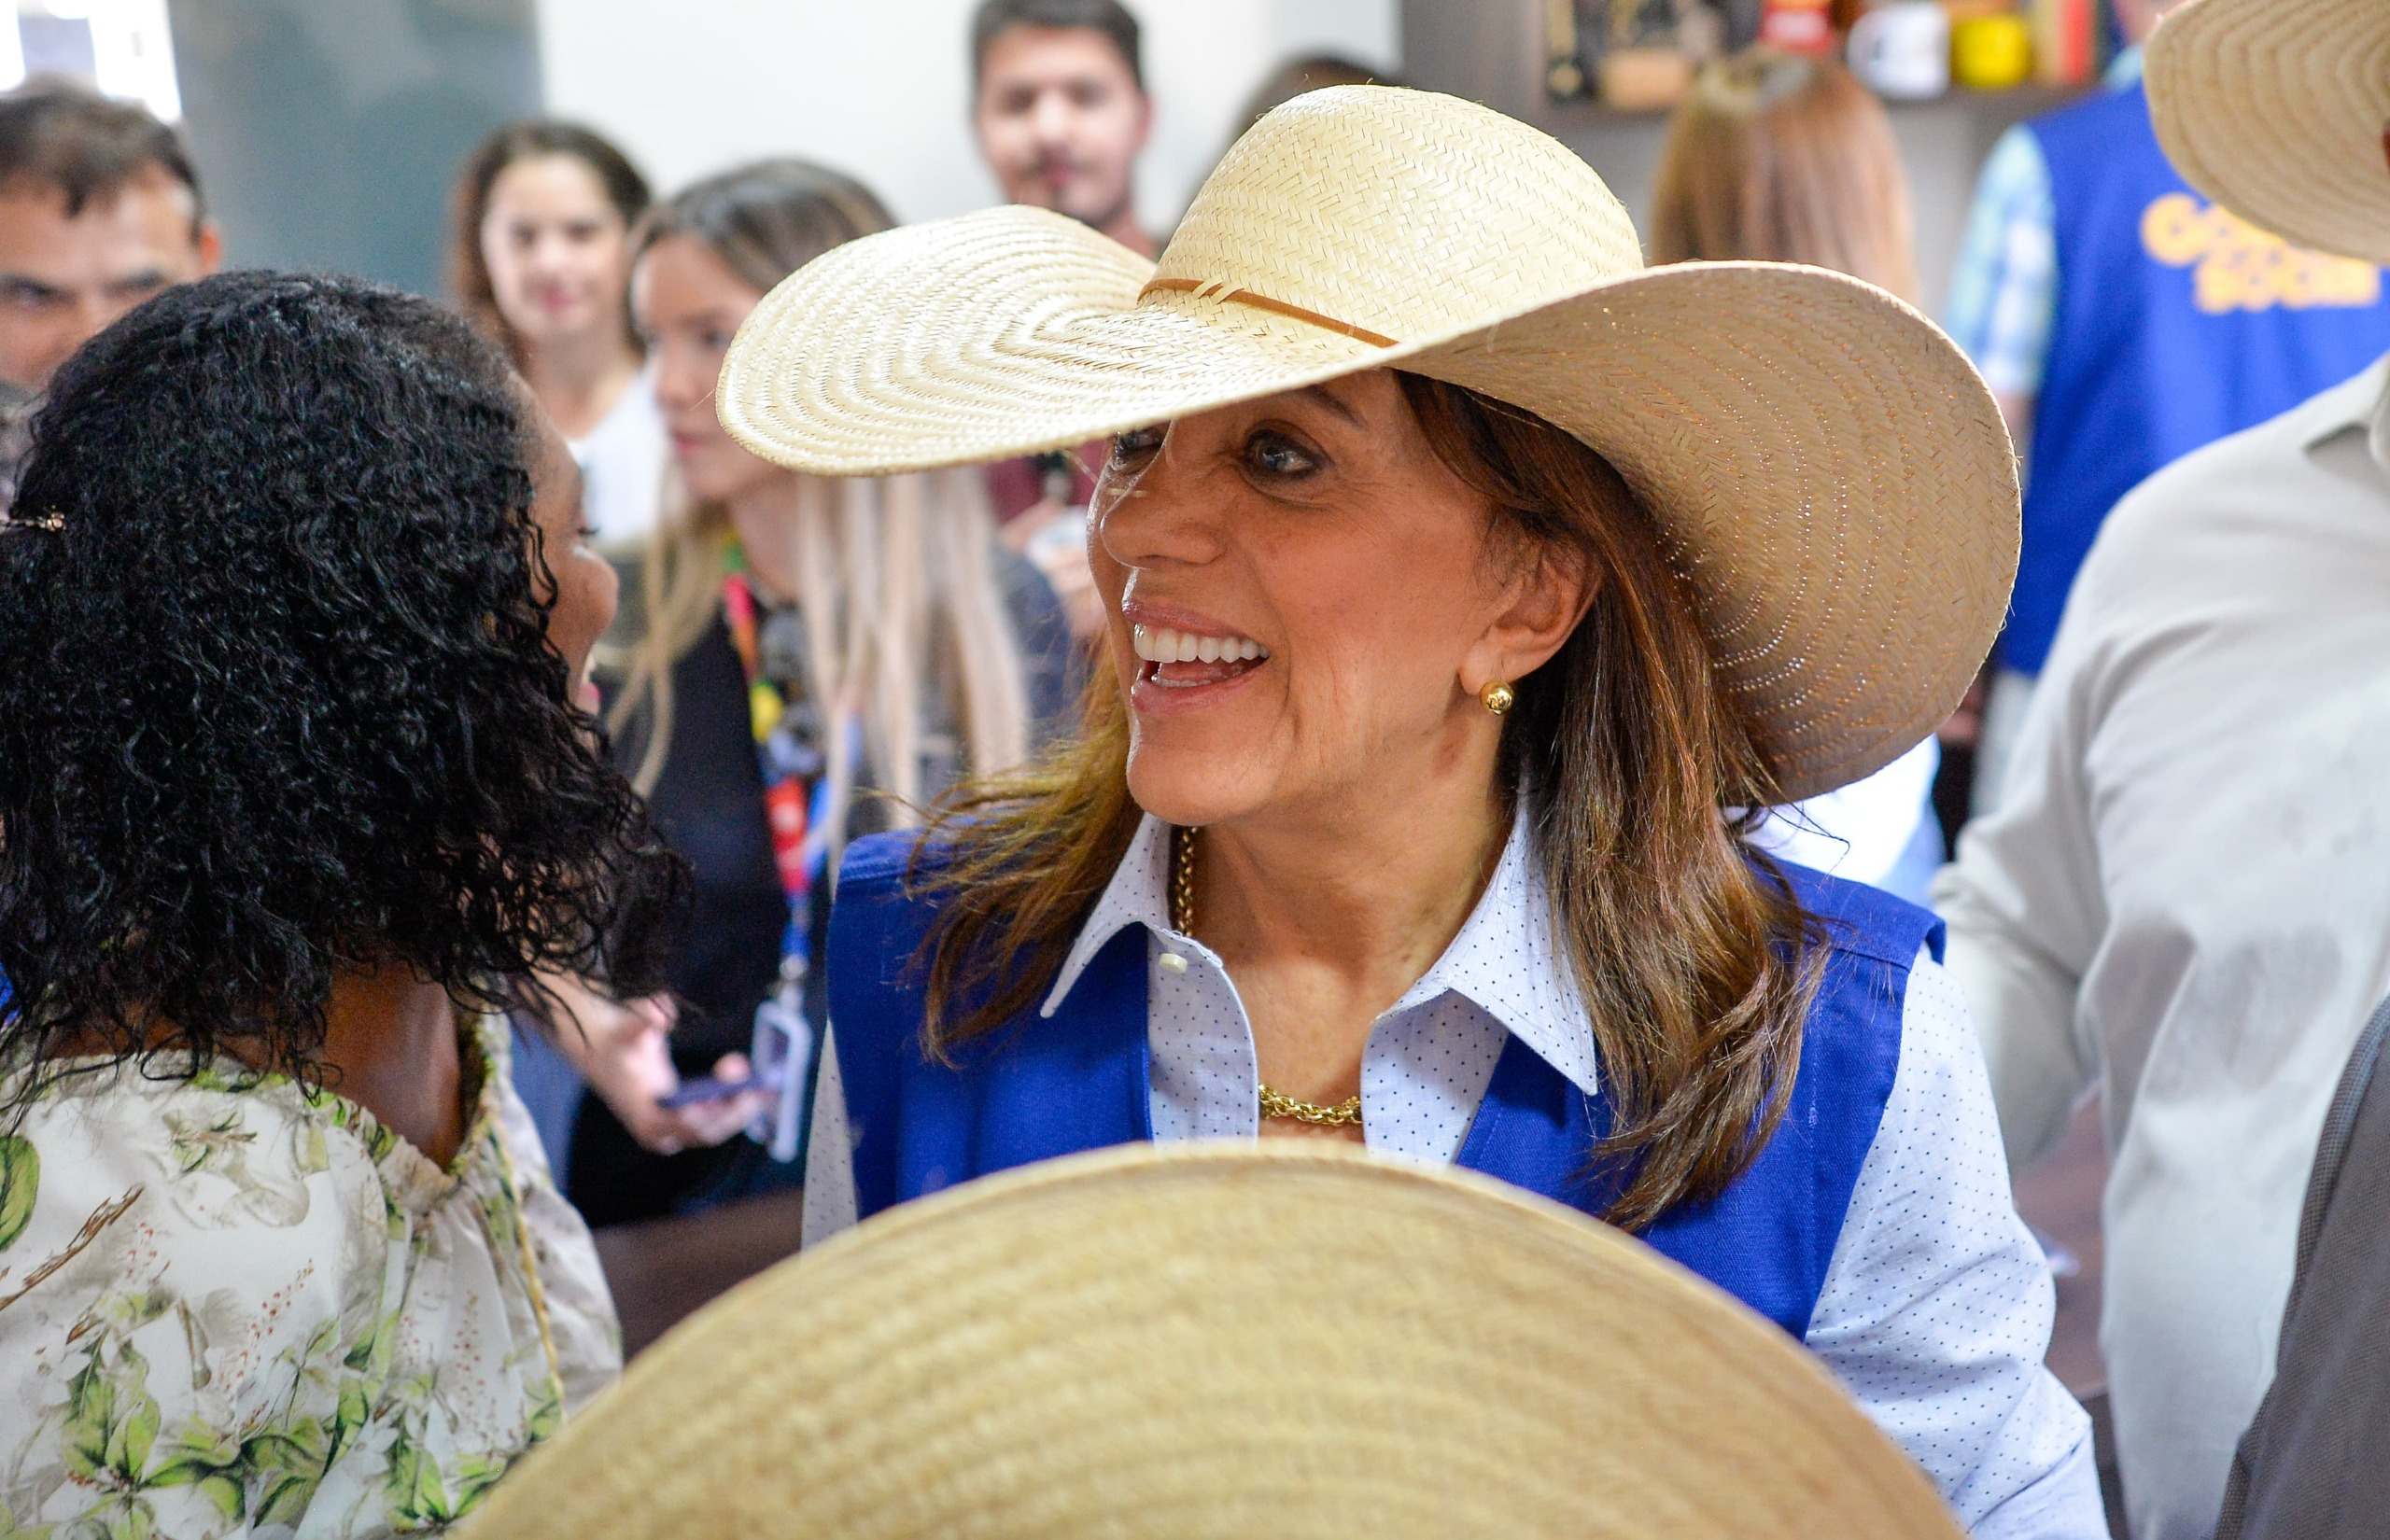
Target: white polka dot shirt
[1936,1307]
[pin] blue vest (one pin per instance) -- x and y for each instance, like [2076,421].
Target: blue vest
[1041,1088]
[2176,325]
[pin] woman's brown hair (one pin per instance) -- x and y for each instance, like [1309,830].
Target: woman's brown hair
[1696,962]
[469,279]
[1774,157]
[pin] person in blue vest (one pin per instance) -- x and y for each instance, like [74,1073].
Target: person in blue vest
[2123,320]
[1459,574]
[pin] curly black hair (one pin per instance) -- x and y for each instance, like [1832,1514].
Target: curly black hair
[276,696]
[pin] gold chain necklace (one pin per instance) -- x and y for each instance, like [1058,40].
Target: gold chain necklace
[1345,1114]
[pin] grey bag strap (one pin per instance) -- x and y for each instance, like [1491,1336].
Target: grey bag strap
[2331,1152]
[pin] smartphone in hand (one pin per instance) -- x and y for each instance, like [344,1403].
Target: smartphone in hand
[692,1092]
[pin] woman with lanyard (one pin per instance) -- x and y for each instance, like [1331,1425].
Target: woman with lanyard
[1461,575]
[799,661]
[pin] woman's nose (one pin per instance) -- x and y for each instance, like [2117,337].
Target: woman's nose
[677,383]
[1155,514]
[548,253]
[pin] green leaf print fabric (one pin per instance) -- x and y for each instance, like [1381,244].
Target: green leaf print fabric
[233,1307]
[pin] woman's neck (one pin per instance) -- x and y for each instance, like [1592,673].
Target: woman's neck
[579,379]
[391,1046]
[765,517]
[1326,913]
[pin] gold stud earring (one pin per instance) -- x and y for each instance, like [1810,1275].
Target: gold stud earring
[1496,696]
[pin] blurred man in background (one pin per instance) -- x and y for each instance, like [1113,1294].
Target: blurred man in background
[1060,107]
[2123,320]
[1061,110]
[100,209]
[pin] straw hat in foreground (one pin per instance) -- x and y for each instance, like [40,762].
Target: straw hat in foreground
[1828,471]
[2275,109]
[1223,1340]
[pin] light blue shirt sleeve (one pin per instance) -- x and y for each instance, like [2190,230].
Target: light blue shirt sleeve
[1938,1303]
[2004,296]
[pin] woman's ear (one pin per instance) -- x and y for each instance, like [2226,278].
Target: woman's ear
[1543,607]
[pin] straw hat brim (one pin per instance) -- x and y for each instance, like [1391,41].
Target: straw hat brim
[1826,468]
[1222,1340]
[2276,109]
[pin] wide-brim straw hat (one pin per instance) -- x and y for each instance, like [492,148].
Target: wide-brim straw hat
[2275,109]
[1825,467]
[1222,1340]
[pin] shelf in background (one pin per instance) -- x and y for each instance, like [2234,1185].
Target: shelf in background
[2006,107]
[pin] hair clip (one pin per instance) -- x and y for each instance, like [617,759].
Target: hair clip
[52,521]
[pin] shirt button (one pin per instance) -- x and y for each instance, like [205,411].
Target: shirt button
[1173,962]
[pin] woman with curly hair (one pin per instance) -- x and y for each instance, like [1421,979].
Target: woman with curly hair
[297,774]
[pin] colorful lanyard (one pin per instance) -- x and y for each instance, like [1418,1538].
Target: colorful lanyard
[795,788]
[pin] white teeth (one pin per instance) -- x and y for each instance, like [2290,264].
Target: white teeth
[1161,644]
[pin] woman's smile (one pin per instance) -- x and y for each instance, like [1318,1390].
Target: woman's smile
[1182,671]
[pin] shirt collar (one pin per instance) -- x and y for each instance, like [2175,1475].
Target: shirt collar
[2360,406]
[2377,432]
[1506,959]
[1138,894]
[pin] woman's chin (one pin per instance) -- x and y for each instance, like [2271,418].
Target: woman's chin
[1191,787]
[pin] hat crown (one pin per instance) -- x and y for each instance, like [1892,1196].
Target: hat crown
[1402,213]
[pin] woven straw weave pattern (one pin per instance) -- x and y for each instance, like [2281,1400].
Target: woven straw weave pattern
[1505,218]
[1222,1342]
[1826,467]
[2275,109]
[1848,608]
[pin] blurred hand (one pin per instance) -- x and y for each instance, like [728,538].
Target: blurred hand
[623,1049]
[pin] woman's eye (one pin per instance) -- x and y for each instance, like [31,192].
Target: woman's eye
[1275,455]
[1136,445]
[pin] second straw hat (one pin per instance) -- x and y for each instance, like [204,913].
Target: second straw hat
[1826,470]
[2276,109]
[1222,1340]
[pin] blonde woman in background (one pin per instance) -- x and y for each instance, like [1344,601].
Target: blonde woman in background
[873,633]
[1779,159]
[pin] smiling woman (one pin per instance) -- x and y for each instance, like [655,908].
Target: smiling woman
[1462,576]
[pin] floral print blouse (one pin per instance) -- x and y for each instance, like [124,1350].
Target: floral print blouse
[231,1306]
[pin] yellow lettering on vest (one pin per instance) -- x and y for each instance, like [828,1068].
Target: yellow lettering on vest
[2237,267]
[2174,229]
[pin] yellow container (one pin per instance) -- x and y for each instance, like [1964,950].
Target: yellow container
[1991,52]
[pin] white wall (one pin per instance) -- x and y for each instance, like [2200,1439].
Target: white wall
[880,87]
